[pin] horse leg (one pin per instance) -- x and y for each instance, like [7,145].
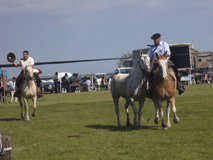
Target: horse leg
[34,106]
[128,123]
[176,119]
[140,112]
[159,104]
[26,109]
[168,124]
[132,102]
[116,102]
[156,120]
[21,105]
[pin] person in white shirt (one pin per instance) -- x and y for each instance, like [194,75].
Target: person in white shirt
[26,60]
[12,87]
[160,47]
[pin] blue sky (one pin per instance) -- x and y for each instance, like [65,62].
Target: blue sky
[54,30]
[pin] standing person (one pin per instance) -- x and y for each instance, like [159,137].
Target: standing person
[1,72]
[88,83]
[2,86]
[26,60]
[12,87]
[56,82]
[160,47]
[104,82]
[65,82]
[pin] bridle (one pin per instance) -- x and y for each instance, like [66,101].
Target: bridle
[25,71]
[144,70]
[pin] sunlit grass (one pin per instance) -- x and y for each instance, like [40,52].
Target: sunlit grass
[84,126]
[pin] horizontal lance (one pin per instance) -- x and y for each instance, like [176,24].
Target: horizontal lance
[62,62]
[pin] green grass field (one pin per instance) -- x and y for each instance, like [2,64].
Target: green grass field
[84,126]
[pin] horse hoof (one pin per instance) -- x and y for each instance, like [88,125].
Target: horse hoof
[120,126]
[33,115]
[156,120]
[140,127]
[27,118]
[176,120]
[168,125]
[164,128]
[128,124]
[22,115]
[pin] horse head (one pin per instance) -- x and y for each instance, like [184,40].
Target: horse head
[144,63]
[28,71]
[163,65]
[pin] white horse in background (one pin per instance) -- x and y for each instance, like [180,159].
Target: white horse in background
[28,91]
[133,88]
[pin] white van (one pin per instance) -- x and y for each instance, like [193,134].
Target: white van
[62,74]
[99,76]
[123,70]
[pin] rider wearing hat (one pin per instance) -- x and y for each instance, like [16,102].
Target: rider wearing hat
[26,60]
[160,47]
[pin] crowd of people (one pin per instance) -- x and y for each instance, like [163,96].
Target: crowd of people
[80,83]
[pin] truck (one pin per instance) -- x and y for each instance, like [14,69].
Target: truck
[60,76]
[185,58]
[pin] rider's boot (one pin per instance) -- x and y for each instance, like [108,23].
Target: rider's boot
[180,87]
[17,92]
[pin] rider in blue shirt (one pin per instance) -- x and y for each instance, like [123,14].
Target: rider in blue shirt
[160,47]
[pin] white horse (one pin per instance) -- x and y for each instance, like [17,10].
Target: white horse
[28,91]
[133,88]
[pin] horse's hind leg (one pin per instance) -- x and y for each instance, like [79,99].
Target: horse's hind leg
[128,123]
[132,102]
[176,119]
[116,100]
[168,124]
[34,106]
[140,112]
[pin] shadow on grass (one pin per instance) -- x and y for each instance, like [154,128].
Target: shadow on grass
[10,119]
[124,128]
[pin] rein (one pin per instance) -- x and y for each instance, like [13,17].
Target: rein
[29,77]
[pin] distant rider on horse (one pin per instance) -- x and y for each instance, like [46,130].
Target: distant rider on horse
[160,47]
[26,60]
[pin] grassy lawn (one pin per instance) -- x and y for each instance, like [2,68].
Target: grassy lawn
[84,126]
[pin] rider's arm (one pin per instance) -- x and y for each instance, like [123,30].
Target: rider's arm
[15,64]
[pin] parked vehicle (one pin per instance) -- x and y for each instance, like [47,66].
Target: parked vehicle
[99,76]
[60,76]
[48,84]
[123,70]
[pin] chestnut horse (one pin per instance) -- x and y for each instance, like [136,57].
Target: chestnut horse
[164,87]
